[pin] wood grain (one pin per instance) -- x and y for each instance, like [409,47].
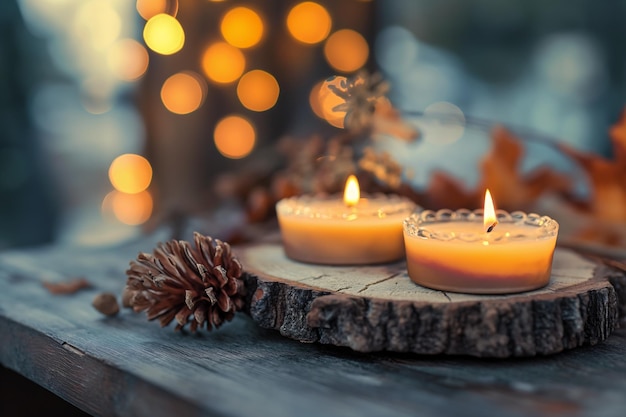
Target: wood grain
[377,308]
[127,366]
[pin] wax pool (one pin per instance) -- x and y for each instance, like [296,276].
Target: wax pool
[323,230]
[456,254]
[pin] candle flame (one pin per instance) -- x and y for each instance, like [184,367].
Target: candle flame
[352,193]
[489,214]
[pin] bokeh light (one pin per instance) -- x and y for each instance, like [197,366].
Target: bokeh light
[329,100]
[396,50]
[234,137]
[96,94]
[151,8]
[258,90]
[183,93]
[130,173]
[128,59]
[346,50]
[242,27]
[130,209]
[97,23]
[309,22]
[444,123]
[223,63]
[315,101]
[164,34]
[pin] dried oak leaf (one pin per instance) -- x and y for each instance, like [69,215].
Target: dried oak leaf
[618,138]
[445,191]
[500,172]
[199,285]
[607,178]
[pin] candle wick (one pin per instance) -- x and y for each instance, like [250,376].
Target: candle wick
[492,226]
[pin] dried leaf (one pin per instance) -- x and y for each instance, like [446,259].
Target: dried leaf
[67,287]
[447,192]
[608,191]
[500,171]
[618,137]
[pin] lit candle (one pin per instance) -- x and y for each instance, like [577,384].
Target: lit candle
[327,230]
[482,251]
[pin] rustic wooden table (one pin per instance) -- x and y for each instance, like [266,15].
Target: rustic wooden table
[126,366]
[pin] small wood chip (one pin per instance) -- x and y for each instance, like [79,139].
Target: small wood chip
[106,303]
[67,287]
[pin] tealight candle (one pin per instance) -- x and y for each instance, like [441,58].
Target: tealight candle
[355,230]
[482,251]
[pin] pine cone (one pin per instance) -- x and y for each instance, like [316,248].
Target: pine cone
[192,285]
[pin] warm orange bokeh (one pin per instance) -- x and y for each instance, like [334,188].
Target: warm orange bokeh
[315,101]
[150,8]
[223,63]
[346,50]
[242,27]
[130,173]
[328,101]
[131,209]
[258,90]
[234,137]
[309,22]
[183,93]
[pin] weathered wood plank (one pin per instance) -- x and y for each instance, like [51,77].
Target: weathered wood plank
[128,366]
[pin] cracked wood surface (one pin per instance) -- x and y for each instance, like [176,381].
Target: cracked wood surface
[127,366]
[373,308]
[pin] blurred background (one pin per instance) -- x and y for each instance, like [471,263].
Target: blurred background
[114,113]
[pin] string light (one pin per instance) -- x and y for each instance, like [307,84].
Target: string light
[258,90]
[234,137]
[130,173]
[130,209]
[150,8]
[223,63]
[164,34]
[183,93]
[309,22]
[242,27]
[346,50]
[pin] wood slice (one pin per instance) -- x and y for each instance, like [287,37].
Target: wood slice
[376,308]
